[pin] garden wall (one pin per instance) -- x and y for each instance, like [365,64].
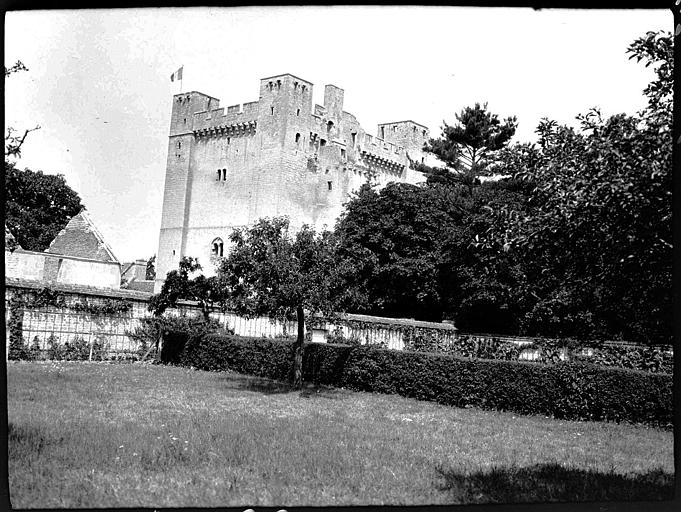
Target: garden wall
[106,315]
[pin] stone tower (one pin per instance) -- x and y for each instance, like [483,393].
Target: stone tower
[280,155]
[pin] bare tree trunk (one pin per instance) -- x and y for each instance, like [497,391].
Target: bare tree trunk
[298,350]
[159,346]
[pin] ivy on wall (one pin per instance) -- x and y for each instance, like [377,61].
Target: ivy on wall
[657,359]
[48,297]
[45,297]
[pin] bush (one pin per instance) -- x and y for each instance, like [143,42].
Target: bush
[176,331]
[19,350]
[76,350]
[34,352]
[266,357]
[568,390]
[55,350]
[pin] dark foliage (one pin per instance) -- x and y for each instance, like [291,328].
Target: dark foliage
[174,330]
[37,206]
[468,145]
[412,254]
[575,241]
[596,233]
[76,350]
[151,268]
[179,286]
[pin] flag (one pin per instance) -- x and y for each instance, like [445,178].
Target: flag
[177,75]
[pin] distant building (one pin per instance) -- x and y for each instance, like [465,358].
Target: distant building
[81,239]
[280,155]
[134,277]
[77,255]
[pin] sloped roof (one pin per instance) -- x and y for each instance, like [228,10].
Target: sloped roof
[81,238]
[125,268]
[141,286]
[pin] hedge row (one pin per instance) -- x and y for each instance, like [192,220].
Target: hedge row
[567,390]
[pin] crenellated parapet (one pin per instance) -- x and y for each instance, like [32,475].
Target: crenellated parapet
[236,115]
[381,163]
[383,148]
[228,130]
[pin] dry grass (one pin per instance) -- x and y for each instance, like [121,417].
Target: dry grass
[131,435]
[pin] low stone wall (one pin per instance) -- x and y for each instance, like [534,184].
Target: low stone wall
[392,333]
[70,321]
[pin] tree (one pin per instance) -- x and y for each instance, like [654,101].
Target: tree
[271,272]
[468,146]
[597,238]
[412,253]
[151,269]
[392,239]
[37,206]
[14,141]
[179,286]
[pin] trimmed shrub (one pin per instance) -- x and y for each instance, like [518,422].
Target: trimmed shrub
[567,390]
[176,331]
[272,358]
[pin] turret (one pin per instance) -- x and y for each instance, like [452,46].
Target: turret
[185,105]
[407,134]
[172,237]
[333,103]
[285,105]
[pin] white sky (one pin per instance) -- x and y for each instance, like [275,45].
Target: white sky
[99,80]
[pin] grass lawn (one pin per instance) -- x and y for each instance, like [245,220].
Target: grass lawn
[132,435]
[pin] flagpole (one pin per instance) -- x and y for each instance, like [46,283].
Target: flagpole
[181,76]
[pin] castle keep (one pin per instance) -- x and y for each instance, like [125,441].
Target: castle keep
[280,155]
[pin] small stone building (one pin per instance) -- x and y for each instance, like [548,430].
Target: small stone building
[134,277]
[78,255]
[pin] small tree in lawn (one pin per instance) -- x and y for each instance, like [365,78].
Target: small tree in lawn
[271,272]
[178,286]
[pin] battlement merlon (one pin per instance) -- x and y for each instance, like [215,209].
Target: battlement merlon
[286,74]
[217,118]
[382,148]
[198,93]
[404,122]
